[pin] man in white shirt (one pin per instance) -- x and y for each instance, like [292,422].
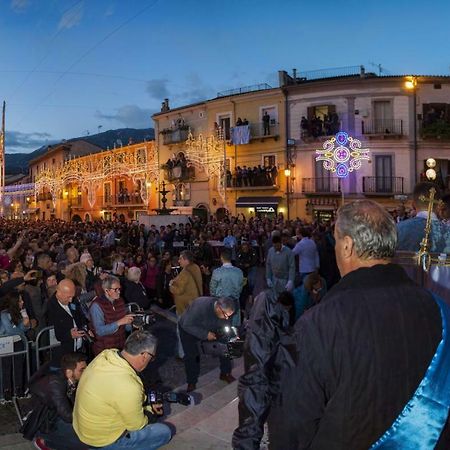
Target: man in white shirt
[306,249]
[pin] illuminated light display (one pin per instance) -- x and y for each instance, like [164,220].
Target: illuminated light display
[342,154]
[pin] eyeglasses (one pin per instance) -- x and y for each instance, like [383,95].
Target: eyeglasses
[152,356]
[115,289]
[227,316]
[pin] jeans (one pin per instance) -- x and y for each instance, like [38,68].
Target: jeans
[63,437]
[192,358]
[151,437]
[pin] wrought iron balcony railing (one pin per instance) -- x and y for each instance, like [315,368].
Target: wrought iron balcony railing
[323,185]
[384,127]
[175,136]
[383,185]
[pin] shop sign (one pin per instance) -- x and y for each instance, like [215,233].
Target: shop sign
[265,209]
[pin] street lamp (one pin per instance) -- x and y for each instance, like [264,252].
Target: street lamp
[411,85]
[287,174]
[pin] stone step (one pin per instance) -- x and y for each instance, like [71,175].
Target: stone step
[212,433]
[208,385]
[15,442]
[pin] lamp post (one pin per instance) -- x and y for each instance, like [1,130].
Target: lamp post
[287,173]
[411,85]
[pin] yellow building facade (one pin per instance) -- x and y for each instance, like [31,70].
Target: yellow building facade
[231,150]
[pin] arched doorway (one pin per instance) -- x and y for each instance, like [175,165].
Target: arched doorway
[76,218]
[87,218]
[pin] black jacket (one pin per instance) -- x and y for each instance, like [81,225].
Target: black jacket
[362,353]
[63,323]
[135,293]
[268,349]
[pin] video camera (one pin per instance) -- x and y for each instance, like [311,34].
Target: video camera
[141,317]
[228,344]
[87,337]
[170,397]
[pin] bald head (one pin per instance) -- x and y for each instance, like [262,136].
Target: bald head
[65,291]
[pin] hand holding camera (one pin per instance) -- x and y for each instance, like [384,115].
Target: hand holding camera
[126,320]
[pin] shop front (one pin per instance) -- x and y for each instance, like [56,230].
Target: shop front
[263,207]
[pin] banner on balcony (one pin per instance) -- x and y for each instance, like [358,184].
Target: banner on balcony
[240,135]
[342,154]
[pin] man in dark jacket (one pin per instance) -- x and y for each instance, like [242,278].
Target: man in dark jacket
[364,350]
[68,320]
[268,343]
[198,323]
[53,396]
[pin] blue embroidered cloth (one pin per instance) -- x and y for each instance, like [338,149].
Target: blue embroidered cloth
[422,420]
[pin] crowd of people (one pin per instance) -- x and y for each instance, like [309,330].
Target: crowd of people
[257,176]
[80,278]
[317,126]
[178,166]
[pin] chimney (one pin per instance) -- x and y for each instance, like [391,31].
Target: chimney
[362,73]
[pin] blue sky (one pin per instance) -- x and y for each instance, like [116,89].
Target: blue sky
[70,66]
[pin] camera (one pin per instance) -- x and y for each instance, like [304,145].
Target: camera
[228,344]
[175,270]
[143,318]
[87,336]
[170,397]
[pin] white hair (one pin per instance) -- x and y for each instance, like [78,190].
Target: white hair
[134,274]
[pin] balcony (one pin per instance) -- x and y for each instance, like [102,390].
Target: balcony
[382,127]
[44,197]
[382,185]
[324,185]
[131,199]
[439,130]
[258,131]
[175,135]
[178,173]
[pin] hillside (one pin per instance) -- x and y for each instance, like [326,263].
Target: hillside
[18,162]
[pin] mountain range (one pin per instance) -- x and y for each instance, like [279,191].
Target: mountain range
[18,162]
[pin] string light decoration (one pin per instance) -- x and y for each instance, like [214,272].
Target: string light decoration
[138,162]
[207,154]
[342,154]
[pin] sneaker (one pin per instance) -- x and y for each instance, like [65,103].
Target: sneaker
[40,444]
[227,377]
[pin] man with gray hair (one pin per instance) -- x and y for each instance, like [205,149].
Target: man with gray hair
[111,408]
[362,353]
[109,318]
[199,323]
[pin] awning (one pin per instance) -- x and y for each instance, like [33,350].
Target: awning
[253,202]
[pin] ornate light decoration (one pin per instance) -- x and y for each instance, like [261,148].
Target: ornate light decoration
[342,154]
[138,163]
[207,154]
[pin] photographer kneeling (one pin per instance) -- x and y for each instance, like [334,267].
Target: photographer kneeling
[200,322]
[110,411]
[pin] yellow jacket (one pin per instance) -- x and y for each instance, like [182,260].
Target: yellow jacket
[109,400]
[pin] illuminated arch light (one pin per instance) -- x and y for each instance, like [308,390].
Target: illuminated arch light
[340,158]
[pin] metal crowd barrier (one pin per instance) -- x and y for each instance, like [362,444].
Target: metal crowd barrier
[50,343]
[11,364]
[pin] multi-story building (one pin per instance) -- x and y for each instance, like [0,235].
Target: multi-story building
[18,197]
[118,183]
[401,126]
[226,153]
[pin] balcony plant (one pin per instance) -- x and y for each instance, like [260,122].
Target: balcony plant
[437,130]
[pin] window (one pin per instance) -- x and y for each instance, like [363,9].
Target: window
[273,113]
[321,120]
[224,122]
[107,192]
[383,116]
[322,178]
[383,173]
[269,160]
